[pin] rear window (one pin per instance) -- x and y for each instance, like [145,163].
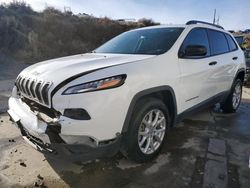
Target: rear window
[231,43]
[218,42]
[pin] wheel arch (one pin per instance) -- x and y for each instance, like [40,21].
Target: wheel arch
[240,74]
[165,93]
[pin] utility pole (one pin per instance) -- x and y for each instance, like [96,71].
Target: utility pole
[67,9]
[214,16]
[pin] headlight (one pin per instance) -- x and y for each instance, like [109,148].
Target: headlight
[105,83]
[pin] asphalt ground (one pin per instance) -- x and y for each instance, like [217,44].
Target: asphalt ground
[209,149]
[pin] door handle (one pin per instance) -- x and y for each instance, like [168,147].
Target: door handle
[235,58]
[213,63]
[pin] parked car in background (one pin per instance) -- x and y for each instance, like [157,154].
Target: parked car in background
[247,31]
[126,94]
[240,39]
[247,77]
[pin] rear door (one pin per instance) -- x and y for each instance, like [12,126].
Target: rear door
[222,72]
[195,71]
[233,57]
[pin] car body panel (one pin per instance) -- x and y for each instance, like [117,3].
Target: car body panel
[108,108]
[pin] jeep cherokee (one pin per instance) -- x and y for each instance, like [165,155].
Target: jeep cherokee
[126,94]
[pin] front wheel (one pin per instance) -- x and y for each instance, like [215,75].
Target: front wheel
[232,103]
[148,129]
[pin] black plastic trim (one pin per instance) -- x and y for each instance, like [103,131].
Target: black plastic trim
[236,75]
[238,72]
[53,131]
[209,102]
[202,22]
[34,106]
[142,94]
[76,113]
[68,80]
[221,97]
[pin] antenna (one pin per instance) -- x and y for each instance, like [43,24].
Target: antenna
[214,16]
[218,20]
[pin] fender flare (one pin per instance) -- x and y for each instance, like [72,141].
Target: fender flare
[239,71]
[236,75]
[144,93]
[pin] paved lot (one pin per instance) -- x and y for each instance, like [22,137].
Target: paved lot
[9,69]
[5,91]
[208,150]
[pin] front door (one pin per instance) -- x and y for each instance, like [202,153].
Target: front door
[195,71]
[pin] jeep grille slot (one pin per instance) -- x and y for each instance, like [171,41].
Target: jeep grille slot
[44,92]
[37,91]
[33,89]
[27,87]
[21,84]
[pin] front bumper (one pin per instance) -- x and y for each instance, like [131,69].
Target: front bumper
[46,136]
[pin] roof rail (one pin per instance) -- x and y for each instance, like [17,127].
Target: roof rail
[197,21]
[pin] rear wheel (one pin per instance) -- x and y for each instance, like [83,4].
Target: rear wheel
[147,130]
[232,103]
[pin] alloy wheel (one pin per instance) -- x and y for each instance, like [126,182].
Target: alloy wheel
[236,96]
[152,131]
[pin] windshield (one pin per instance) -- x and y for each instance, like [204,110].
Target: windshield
[147,41]
[247,55]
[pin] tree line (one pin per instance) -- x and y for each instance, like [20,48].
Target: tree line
[31,36]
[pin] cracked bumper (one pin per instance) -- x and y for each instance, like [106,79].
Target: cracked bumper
[46,137]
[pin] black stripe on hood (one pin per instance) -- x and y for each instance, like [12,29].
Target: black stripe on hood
[68,80]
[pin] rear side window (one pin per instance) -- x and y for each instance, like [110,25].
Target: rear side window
[218,42]
[197,37]
[231,43]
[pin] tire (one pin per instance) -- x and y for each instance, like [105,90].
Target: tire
[141,130]
[232,102]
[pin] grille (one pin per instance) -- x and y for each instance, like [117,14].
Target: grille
[33,89]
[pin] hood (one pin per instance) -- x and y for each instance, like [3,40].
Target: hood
[58,70]
[40,81]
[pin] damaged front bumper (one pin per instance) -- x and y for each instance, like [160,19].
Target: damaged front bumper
[45,135]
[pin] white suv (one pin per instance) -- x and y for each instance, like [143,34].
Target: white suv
[127,93]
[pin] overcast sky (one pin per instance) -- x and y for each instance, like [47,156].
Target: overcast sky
[233,14]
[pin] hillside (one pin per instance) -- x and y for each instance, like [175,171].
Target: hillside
[30,36]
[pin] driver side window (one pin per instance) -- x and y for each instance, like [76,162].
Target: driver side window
[196,37]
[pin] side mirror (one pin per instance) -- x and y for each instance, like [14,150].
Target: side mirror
[194,51]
